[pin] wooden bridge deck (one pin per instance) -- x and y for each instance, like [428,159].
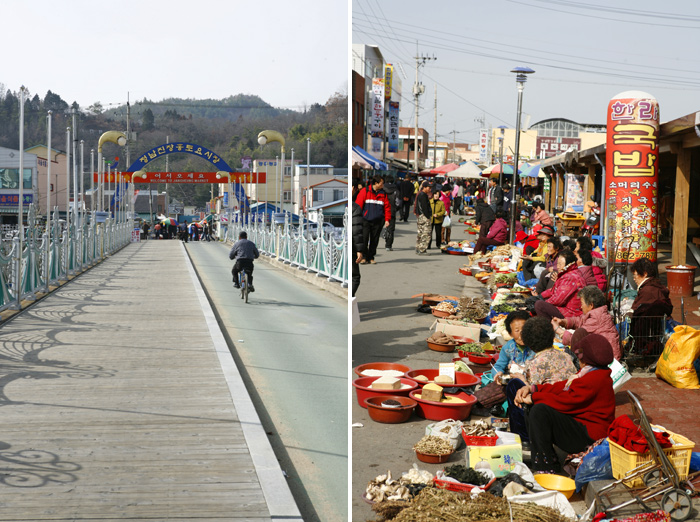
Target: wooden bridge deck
[118,403]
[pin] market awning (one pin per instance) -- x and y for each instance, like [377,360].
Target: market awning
[468,170]
[371,160]
[358,162]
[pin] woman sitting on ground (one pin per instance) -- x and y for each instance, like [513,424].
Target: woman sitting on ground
[549,275]
[497,236]
[514,351]
[562,299]
[540,215]
[593,275]
[586,243]
[547,366]
[532,258]
[573,413]
[652,297]
[595,320]
[647,325]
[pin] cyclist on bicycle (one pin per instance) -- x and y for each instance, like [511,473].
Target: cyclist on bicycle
[243,252]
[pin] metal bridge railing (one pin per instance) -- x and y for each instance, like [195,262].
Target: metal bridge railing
[48,258]
[326,254]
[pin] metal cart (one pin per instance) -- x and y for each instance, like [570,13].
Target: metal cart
[659,476]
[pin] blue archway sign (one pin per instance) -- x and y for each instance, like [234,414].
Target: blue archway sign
[180,146]
[190,148]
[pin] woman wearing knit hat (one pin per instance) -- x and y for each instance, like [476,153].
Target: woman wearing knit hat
[571,414]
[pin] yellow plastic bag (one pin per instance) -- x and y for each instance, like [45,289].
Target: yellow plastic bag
[675,365]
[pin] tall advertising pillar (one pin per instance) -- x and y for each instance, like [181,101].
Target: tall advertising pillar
[632,164]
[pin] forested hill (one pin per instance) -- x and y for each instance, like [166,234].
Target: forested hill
[229,126]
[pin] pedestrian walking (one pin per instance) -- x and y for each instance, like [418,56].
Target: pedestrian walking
[376,213]
[406,190]
[446,198]
[358,246]
[484,217]
[437,207]
[392,193]
[494,195]
[424,217]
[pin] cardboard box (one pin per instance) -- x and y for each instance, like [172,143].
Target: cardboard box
[501,457]
[455,328]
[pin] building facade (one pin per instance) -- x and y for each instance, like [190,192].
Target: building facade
[9,185]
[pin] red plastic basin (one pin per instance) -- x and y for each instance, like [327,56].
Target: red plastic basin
[380,366]
[438,411]
[364,392]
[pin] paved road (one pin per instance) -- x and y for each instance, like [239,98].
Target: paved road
[291,345]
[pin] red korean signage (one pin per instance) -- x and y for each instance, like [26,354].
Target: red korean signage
[631,166]
[186,177]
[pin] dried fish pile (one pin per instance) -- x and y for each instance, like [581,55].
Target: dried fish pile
[433,445]
[439,505]
[472,308]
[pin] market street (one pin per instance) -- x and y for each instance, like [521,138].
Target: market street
[290,343]
[391,330]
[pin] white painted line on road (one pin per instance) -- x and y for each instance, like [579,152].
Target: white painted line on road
[278,496]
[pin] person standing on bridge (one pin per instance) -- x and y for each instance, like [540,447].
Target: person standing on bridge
[376,213]
[244,252]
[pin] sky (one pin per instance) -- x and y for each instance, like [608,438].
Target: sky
[584,52]
[291,54]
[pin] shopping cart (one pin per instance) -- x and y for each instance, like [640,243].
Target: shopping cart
[659,476]
[642,338]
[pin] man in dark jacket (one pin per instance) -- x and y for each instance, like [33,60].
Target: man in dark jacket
[358,246]
[406,190]
[376,212]
[485,217]
[424,214]
[392,194]
[495,195]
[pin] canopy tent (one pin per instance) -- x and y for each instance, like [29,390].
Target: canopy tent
[358,162]
[495,170]
[469,170]
[533,171]
[371,160]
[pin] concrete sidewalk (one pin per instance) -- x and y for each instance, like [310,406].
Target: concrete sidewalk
[120,400]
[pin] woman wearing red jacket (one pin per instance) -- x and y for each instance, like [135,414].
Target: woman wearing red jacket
[571,414]
[497,236]
[562,299]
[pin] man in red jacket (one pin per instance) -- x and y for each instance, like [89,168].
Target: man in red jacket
[376,213]
[572,414]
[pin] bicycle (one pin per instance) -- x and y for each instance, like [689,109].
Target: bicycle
[243,281]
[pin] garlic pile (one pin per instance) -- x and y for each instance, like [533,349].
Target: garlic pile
[383,487]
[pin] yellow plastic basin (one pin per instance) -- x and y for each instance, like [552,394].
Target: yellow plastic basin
[556,483]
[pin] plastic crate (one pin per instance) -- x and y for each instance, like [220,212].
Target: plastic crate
[623,460]
[459,486]
[471,440]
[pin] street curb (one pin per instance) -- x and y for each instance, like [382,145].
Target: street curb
[277,494]
[314,278]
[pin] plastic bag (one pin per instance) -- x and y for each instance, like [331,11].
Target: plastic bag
[595,466]
[450,430]
[675,365]
[694,462]
[447,222]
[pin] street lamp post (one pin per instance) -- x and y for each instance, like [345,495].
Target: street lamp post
[269,135]
[114,137]
[520,79]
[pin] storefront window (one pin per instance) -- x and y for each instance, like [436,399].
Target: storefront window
[9,179]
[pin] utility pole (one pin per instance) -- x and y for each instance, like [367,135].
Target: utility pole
[454,145]
[435,132]
[418,89]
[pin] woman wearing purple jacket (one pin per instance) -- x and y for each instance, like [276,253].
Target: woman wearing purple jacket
[497,236]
